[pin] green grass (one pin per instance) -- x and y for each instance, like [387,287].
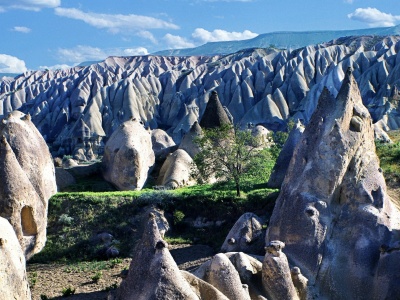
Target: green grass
[74,219]
[389,156]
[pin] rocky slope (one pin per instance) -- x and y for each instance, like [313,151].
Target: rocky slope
[77,109]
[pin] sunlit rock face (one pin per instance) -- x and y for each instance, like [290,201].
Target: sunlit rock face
[27,180]
[78,109]
[128,156]
[13,279]
[333,212]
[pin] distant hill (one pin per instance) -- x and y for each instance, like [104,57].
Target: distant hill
[283,39]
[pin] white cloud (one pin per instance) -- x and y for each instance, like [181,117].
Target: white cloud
[115,23]
[11,64]
[217,35]
[136,51]
[35,5]
[56,67]
[373,17]
[348,1]
[21,29]
[177,42]
[147,35]
[82,53]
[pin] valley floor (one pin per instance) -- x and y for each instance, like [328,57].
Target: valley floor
[51,279]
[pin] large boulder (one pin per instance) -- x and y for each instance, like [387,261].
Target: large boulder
[13,280]
[153,273]
[333,212]
[176,170]
[162,143]
[128,156]
[247,235]
[27,180]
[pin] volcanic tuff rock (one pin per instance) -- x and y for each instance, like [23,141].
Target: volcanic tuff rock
[246,235]
[27,180]
[153,273]
[176,169]
[128,156]
[333,212]
[285,155]
[13,279]
[188,143]
[79,108]
[162,143]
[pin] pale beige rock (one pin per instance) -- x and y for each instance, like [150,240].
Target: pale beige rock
[276,277]
[203,289]
[162,143]
[247,235]
[223,275]
[27,181]
[153,273]
[250,272]
[300,283]
[128,156]
[176,170]
[13,280]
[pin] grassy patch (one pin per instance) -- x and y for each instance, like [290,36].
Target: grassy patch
[75,219]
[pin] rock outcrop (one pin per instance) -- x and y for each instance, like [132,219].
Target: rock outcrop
[153,273]
[128,156]
[78,109]
[282,163]
[246,235]
[27,180]
[333,212]
[13,279]
[176,170]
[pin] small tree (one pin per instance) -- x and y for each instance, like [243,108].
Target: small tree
[227,153]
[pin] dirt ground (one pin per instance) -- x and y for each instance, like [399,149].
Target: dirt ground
[49,280]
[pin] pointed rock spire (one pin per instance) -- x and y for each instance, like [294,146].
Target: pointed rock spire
[153,273]
[214,115]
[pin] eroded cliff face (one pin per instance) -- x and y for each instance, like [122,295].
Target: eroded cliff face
[333,212]
[76,110]
[27,180]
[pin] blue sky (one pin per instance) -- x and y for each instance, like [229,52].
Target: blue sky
[38,34]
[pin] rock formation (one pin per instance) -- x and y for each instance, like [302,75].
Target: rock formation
[162,143]
[276,276]
[13,279]
[27,180]
[282,163]
[333,212]
[214,115]
[128,156]
[78,109]
[175,171]
[153,274]
[246,235]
